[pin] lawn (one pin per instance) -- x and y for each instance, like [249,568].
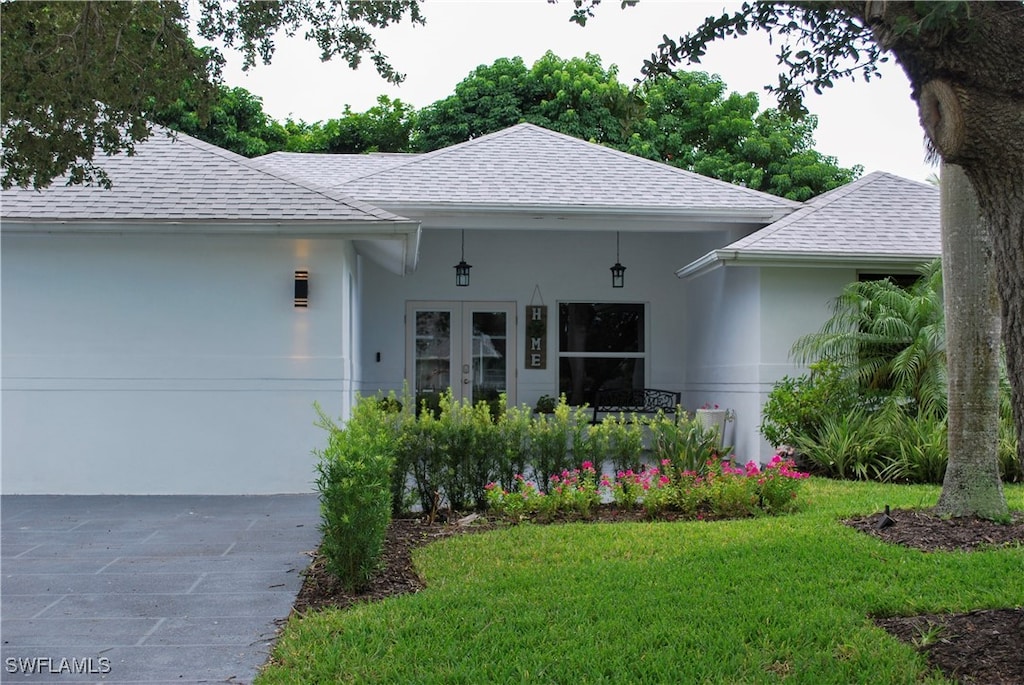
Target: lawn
[749,601]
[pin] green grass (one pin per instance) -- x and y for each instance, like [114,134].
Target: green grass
[765,600]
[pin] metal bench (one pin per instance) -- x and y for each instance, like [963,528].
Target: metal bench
[639,401]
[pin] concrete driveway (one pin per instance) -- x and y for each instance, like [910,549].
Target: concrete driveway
[140,589]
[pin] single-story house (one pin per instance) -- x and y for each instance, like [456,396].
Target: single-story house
[152,342]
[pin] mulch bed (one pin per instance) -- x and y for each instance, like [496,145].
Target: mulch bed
[985,646]
[979,647]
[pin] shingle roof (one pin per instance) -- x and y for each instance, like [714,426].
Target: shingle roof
[880,214]
[185,180]
[531,166]
[880,217]
[329,170]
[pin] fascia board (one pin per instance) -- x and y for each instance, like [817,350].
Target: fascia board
[426,210]
[721,258]
[368,230]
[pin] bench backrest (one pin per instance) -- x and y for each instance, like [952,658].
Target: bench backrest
[639,400]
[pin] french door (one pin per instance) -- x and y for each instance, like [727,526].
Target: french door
[469,347]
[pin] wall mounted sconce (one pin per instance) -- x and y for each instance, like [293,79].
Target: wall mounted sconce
[302,289]
[462,269]
[618,271]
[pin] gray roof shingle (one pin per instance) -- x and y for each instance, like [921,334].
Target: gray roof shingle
[880,217]
[879,214]
[531,166]
[329,170]
[182,179]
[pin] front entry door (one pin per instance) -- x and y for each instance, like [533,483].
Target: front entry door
[467,346]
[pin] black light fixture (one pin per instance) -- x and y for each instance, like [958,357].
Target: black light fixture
[462,269]
[302,289]
[618,271]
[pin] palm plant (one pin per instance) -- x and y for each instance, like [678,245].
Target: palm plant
[888,340]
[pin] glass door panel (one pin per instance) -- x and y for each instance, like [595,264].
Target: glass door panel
[466,346]
[432,355]
[490,355]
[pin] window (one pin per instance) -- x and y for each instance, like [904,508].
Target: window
[905,281]
[601,346]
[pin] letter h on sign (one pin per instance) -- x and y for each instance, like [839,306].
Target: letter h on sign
[536,337]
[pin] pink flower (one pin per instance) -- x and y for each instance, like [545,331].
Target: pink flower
[588,466]
[666,462]
[663,480]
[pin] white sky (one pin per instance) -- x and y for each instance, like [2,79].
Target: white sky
[873,124]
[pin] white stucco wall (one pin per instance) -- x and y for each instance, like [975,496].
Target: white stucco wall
[169,364]
[507,266]
[754,316]
[794,302]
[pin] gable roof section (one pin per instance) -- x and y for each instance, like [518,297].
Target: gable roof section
[880,218]
[529,167]
[184,180]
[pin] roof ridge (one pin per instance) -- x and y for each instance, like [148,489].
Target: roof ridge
[427,156]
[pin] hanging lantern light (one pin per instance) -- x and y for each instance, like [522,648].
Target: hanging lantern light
[618,271]
[462,269]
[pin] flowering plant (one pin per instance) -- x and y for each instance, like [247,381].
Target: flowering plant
[576,490]
[721,490]
[778,482]
[523,499]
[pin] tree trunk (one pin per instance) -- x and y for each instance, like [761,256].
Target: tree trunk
[1001,193]
[971,485]
[966,67]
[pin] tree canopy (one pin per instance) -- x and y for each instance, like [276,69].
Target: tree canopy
[388,126]
[685,119]
[79,78]
[235,121]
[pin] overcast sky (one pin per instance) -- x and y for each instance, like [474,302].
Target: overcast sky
[873,124]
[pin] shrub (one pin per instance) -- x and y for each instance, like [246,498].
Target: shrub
[843,446]
[549,441]
[621,439]
[797,407]
[915,448]
[354,482]
[887,339]
[513,429]
[465,442]
[683,440]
